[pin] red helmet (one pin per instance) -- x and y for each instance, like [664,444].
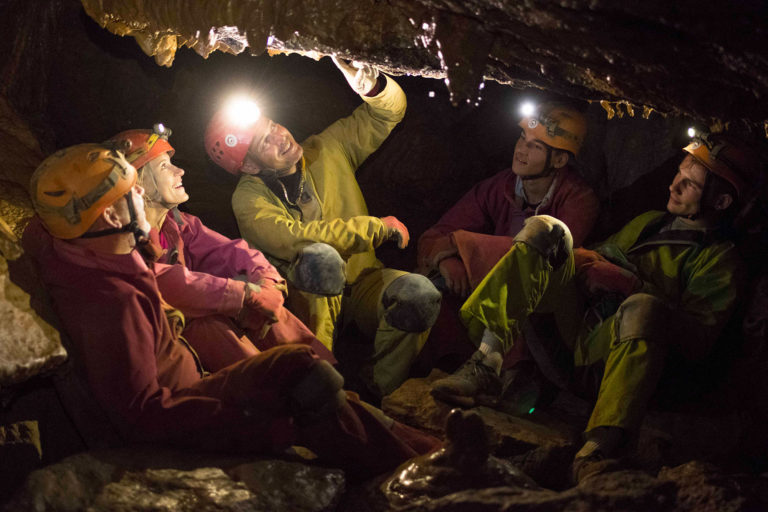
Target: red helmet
[228,138]
[729,158]
[142,146]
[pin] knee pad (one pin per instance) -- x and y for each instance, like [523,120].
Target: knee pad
[411,303]
[642,316]
[319,394]
[549,236]
[318,268]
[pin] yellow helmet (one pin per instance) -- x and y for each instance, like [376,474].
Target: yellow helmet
[73,186]
[557,126]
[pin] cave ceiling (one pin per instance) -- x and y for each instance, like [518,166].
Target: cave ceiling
[704,60]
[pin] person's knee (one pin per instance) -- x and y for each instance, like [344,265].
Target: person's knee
[642,316]
[411,303]
[318,268]
[318,394]
[549,236]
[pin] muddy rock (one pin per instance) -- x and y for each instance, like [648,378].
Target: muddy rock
[144,480]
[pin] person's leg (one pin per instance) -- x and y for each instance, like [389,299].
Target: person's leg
[218,341]
[290,382]
[448,344]
[530,277]
[365,442]
[320,314]
[374,305]
[290,330]
[632,348]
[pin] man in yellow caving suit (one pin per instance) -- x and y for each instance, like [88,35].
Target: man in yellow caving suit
[664,284]
[291,196]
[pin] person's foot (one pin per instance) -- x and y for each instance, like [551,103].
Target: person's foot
[601,453]
[477,382]
[593,464]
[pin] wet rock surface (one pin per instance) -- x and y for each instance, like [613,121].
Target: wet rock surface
[670,57]
[30,344]
[464,463]
[144,480]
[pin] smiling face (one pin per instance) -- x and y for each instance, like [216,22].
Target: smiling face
[687,188]
[274,148]
[162,182]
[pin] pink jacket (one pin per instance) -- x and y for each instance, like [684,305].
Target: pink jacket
[493,208]
[202,285]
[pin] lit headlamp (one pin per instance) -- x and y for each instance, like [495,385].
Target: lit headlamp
[242,111]
[161,131]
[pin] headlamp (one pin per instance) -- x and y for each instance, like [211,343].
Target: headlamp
[161,131]
[527,108]
[242,111]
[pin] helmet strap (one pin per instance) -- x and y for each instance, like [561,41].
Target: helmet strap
[139,235]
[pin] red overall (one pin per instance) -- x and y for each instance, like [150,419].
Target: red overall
[149,385]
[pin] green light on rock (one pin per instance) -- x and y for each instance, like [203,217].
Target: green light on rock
[531,410]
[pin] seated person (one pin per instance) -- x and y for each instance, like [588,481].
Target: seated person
[471,237]
[125,337]
[200,272]
[663,286]
[291,195]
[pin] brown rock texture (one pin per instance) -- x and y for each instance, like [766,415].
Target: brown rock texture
[671,57]
[152,480]
[30,345]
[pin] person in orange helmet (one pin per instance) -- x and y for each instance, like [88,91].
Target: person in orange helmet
[607,321]
[231,296]
[459,250]
[125,337]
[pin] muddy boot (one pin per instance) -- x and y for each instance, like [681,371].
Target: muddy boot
[601,453]
[476,383]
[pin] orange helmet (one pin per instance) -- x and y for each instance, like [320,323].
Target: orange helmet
[72,187]
[142,146]
[727,157]
[557,126]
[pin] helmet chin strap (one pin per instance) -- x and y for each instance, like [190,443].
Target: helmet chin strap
[139,235]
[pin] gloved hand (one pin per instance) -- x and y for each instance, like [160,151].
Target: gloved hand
[598,277]
[361,77]
[455,274]
[279,285]
[261,303]
[396,230]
